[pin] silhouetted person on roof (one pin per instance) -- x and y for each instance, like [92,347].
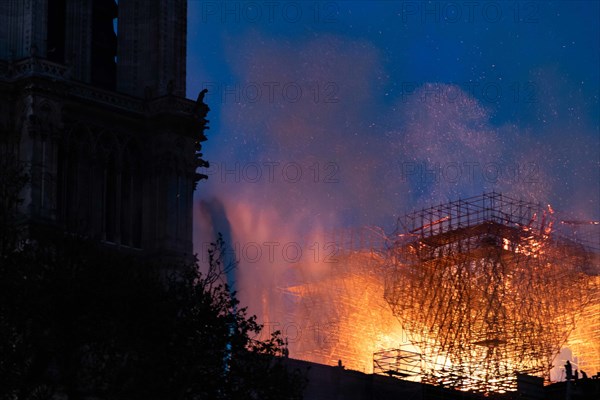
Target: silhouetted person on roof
[583,375]
[568,370]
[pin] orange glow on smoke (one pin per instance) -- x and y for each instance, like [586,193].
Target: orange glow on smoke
[344,315]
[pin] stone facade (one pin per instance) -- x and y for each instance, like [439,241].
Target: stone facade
[100,120]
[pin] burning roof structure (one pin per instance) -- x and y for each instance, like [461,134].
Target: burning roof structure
[464,295]
[485,289]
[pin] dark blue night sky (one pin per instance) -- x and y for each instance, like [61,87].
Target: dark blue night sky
[348,113]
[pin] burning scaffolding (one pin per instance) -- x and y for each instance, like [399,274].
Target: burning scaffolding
[485,289]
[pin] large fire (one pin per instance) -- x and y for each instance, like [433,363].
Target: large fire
[343,315]
[467,294]
[483,285]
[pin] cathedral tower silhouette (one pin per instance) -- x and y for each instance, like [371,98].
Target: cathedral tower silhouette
[92,103]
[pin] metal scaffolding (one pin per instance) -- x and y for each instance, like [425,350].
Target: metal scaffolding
[485,289]
[398,362]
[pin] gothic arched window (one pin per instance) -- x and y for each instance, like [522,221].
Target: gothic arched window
[56,30]
[74,182]
[110,198]
[131,198]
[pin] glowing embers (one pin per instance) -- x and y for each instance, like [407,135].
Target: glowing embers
[484,291]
